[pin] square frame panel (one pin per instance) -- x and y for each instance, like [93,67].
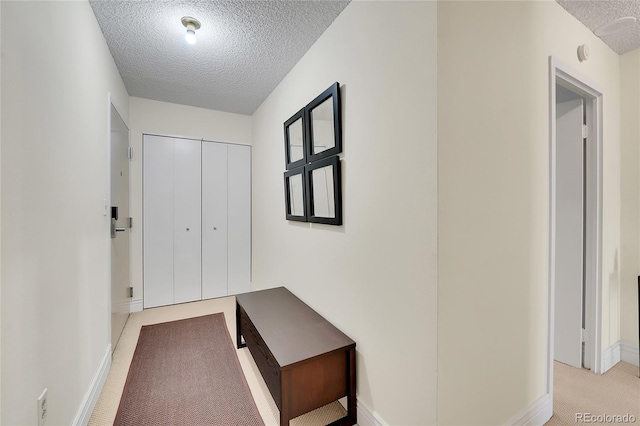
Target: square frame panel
[291,126]
[292,203]
[331,191]
[332,94]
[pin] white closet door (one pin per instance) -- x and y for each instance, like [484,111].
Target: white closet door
[187,284]
[214,220]
[158,220]
[239,214]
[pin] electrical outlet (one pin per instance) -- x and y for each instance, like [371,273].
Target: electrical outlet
[42,408]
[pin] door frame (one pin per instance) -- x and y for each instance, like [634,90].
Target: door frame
[563,75]
[107,210]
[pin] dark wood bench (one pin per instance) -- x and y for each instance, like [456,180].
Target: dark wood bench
[305,361]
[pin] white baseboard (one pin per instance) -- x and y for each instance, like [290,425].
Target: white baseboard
[136,305]
[536,414]
[367,417]
[610,357]
[91,397]
[629,352]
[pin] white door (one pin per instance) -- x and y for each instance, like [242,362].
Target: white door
[157,194]
[569,232]
[214,220]
[187,236]
[197,220]
[120,278]
[239,213]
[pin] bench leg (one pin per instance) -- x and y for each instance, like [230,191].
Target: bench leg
[284,416]
[239,343]
[351,399]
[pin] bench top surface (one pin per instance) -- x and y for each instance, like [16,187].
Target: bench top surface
[292,330]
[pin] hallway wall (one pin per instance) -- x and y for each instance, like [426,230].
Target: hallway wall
[630,195]
[493,210]
[374,277]
[56,74]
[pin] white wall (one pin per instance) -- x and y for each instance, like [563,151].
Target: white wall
[493,187]
[56,74]
[0,221]
[377,277]
[162,118]
[630,195]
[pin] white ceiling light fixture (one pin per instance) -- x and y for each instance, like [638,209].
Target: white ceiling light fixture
[192,24]
[615,26]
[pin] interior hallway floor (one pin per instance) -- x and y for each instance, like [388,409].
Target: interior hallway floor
[579,392]
[107,406]
[617,392]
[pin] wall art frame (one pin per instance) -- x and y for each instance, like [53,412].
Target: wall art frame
[312,142]
[324,191]
[295,190]
[295,140]
[323,119]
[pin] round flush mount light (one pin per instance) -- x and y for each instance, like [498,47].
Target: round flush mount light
[615,26]
[191,24]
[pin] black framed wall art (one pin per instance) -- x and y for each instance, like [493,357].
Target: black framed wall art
[324,136]
[312,142]
[324,191]
[294,140]
[295,194]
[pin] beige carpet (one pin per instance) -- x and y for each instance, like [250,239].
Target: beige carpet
[579,392]
[107,406]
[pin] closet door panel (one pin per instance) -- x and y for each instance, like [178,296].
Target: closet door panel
[187,220]
[157,193]
[239,218]
[214,220]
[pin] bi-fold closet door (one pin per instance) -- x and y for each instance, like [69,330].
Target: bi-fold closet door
[226,219]
[197,220]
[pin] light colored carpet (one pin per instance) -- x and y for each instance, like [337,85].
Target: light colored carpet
[579,392]
[107,405]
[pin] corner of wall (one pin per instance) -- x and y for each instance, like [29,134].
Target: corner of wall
[367,417]
[93,393]
[610,357]
[629,353]
[536,414]
[622,350]
[136,306]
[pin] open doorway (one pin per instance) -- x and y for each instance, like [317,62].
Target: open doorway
[570,241]
[575,237]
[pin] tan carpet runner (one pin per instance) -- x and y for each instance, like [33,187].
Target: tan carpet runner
[186,373]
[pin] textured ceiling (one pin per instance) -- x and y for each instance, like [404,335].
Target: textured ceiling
[244,48]
[596,13]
